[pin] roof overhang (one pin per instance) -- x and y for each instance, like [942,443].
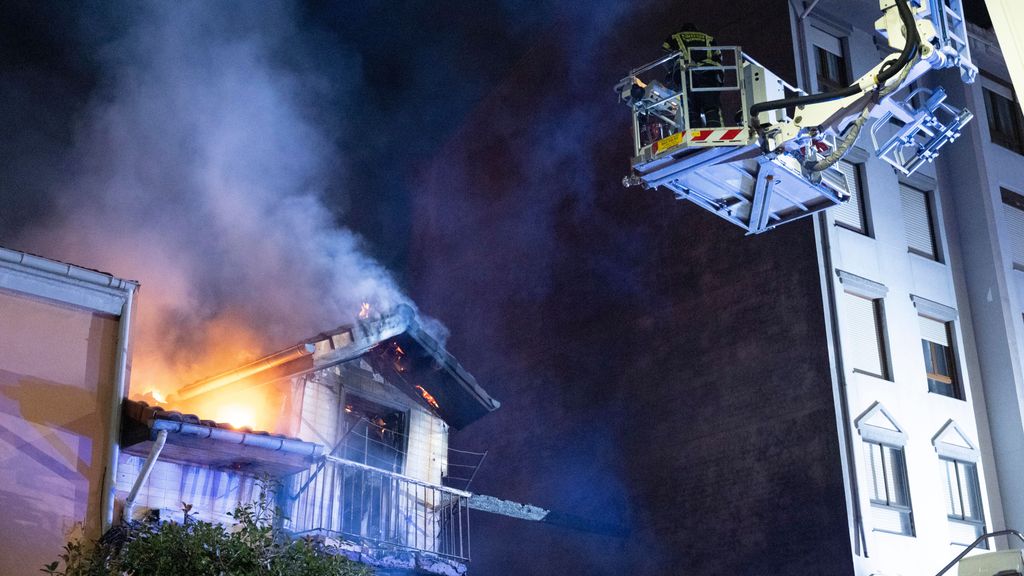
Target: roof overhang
[213,445]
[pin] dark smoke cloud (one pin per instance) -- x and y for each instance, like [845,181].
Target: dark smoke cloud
[198,169]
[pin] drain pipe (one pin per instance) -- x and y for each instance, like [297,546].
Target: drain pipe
[147,467]
[114,428]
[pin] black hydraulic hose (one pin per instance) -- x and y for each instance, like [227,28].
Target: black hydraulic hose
[887,72]
[909,47]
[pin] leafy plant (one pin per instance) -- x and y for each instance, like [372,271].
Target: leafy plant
[251,547]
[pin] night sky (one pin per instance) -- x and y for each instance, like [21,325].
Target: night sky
[420,68]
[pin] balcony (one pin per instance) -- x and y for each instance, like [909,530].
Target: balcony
[380,510]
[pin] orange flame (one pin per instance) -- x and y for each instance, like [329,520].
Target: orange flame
[428,396]
[364,311]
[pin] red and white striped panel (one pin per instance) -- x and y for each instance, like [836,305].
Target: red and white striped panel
[716,136]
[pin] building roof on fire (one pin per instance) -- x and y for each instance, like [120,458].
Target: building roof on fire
[396,345]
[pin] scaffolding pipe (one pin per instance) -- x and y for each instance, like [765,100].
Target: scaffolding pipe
[147,467]
[255,367]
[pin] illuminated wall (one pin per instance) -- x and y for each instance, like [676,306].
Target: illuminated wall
[56,368]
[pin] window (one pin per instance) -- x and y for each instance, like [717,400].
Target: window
[1013,210]
[865,334]
[852,214]
[832,72]
[374,435]
[939,361]
[1005,124]
[963,501]
[888,489]
[917,222]
[958,458]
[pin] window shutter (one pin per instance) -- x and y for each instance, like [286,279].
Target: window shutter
[952,483]
[1015,227]
[864,340]
[917,221]
[850,214]
[934,331]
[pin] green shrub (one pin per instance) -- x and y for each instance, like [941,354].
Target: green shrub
[251,547]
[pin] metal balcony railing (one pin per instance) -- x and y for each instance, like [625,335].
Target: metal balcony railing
[363,504]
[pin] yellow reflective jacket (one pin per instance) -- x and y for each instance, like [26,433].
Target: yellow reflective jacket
[684,41]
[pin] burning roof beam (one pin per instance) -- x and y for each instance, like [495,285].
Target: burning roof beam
[251,369]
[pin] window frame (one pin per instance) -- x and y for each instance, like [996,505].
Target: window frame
[349,424]
[977,522]
[859,287]
[953,378]
[1013,201]
[947,316]
[842,66]
[859,178]
[899,482]
[931,214]
[992,89]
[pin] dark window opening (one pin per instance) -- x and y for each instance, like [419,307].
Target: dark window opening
[832,72]
[375,435]
[939,361]
[1005,122]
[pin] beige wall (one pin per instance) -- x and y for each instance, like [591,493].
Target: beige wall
[56,371]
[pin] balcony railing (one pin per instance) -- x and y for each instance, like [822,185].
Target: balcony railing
[367,505]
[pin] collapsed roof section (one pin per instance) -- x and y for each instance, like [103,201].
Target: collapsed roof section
[396,346]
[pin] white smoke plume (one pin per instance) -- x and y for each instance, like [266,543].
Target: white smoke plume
[199,169]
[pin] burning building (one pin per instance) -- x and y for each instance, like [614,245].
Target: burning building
[356,438]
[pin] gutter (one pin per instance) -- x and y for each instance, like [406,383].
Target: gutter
[66,270]
[253,440]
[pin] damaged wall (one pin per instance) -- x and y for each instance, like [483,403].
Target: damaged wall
[656,368]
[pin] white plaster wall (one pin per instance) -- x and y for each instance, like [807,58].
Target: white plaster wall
[884,258]
[211,493]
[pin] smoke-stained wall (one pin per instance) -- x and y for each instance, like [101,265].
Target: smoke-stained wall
[655,367]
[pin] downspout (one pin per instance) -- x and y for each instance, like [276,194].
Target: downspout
[147,467]
[114,428]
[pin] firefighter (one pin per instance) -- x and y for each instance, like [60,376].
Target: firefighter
[705,107]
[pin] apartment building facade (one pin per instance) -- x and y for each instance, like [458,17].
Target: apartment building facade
[924,313]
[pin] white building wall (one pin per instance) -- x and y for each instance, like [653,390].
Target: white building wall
[883,257]
[212,494]
[991,284]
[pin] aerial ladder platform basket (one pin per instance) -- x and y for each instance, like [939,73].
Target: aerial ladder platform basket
[758,152]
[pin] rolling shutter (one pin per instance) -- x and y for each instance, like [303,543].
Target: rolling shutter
[1015,228]
[934,331]
[917,221]
[865,343]
[851,213]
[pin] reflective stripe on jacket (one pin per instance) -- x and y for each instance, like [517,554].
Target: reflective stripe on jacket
[683,41]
